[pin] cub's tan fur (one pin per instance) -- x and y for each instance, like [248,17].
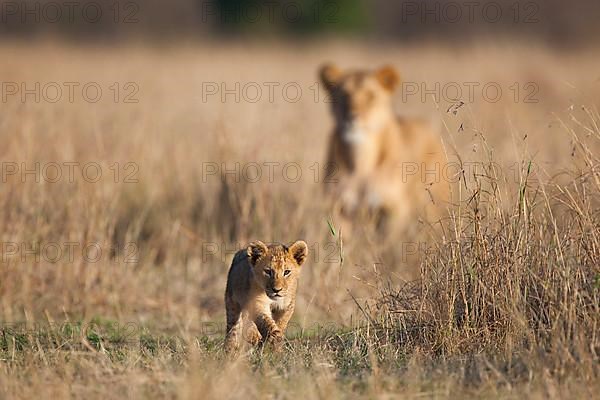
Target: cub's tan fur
[378,161]
[261,290]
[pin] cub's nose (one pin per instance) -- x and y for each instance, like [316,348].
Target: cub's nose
[276,291]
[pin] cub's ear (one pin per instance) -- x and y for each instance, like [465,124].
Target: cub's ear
[255,251]
[388,77]
[299,250]
[330,76]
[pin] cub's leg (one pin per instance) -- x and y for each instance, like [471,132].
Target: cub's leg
[252,335]
[269,330]
[234,324]
[282,317]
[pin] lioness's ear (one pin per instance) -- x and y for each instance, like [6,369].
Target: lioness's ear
[255,251]
[330,76]
[299,251]
[388,77]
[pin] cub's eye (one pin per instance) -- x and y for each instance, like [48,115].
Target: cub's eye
[268,272]
[286,272]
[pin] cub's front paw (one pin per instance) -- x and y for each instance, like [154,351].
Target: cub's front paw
[276,340]
[253,337]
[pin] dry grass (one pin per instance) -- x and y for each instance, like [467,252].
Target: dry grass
[505,302]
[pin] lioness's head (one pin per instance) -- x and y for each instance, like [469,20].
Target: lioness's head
[276,267]
[360,100]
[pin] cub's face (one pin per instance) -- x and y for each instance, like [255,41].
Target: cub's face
[360,100]
[276,267]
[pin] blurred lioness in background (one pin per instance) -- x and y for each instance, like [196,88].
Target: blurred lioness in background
[379,163]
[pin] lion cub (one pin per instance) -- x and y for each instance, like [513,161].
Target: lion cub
[261,289]
[378,161]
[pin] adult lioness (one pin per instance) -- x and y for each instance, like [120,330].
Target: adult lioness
[376,160]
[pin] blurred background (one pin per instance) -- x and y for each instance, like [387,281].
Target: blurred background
[144,142]
[552,22]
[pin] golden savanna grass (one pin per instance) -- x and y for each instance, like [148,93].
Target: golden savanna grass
[503,302]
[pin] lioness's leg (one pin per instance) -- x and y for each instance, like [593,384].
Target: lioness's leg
[234,324]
